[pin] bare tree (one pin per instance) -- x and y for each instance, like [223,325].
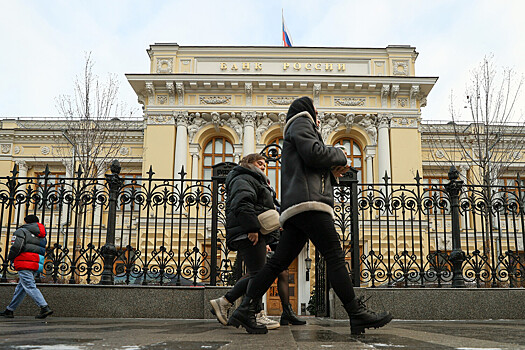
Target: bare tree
[491,139]
[94,121]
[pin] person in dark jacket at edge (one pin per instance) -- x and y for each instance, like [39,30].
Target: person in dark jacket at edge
[28,247]
[308,171]
[246,186]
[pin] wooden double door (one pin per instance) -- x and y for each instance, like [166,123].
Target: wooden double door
[273,302]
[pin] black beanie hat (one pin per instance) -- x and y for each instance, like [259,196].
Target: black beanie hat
[31,219]
[302,104]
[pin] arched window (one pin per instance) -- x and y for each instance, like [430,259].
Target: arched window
[355,154]
[273,169]
[218,149]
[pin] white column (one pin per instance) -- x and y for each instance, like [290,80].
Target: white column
[237,155]
[249,133]
[383,146]
[181,145]
[100,187]
[22,172]
[370,152]
[195,149]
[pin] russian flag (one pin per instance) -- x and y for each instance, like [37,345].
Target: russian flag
[287,39]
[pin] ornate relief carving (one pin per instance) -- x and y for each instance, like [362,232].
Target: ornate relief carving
[384,95]
[248,90]
[404,122]
[17,149]
[216,120]
[329,124]
[150,90]
[349,101]
[400,67]
[282,119]
[22,165]
[281,100]
[124,151]
[181,119]
[263,123]
[160,119]
[317,93]
[393,95]
[180,92]
[44,150]
[414,95]
[5,148]
[402,102]
[194,125]
[383,120]
[439,154]
[248,118]
[164,65]
[368,124]
[171,91]
[162,99]
[235,124]
[349,121]
[215,100]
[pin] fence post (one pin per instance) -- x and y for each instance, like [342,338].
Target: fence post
[109,252]
[220,171]
[350,180]
[457,256]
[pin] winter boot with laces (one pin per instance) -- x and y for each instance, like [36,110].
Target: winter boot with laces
[263,320]
[244,316]
[288,316]
[362,317]
[220,308]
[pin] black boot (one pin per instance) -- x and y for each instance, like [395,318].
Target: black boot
[44,312]
[7,314]
[244,316]
[288,316]
[362,317]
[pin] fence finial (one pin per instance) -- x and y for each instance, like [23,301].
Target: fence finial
[453,173]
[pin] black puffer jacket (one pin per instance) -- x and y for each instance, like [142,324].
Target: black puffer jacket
[248,195]
[306,177]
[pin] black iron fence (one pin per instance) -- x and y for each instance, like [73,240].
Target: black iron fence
[171,231]
[420,234]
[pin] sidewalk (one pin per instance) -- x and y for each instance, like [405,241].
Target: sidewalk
[156,334]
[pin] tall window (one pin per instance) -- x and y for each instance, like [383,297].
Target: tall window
[219,149]
[354,154]
[273,169]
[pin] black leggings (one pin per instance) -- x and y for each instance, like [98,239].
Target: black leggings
[254,257]
[319,228]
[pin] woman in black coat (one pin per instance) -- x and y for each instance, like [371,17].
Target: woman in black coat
[308,171]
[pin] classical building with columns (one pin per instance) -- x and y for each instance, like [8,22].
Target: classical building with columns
[206,104]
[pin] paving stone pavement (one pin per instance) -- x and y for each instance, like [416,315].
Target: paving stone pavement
[157,334]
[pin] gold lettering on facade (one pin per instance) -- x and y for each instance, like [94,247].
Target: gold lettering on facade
[318,66]
[258,66]
[224,66]
[328,67]
[246,66]
[285,66]
[296,66]
[308,66]
[234,67]
[341,67]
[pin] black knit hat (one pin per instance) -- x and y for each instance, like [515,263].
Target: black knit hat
[302,104]
[31,219]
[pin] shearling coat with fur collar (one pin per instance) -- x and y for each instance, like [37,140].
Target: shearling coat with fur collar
[306,176]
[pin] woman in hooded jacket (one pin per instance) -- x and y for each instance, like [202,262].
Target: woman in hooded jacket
[248,195]
[309,169]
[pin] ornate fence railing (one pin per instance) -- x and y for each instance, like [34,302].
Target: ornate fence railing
[418,234]
[171,231]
